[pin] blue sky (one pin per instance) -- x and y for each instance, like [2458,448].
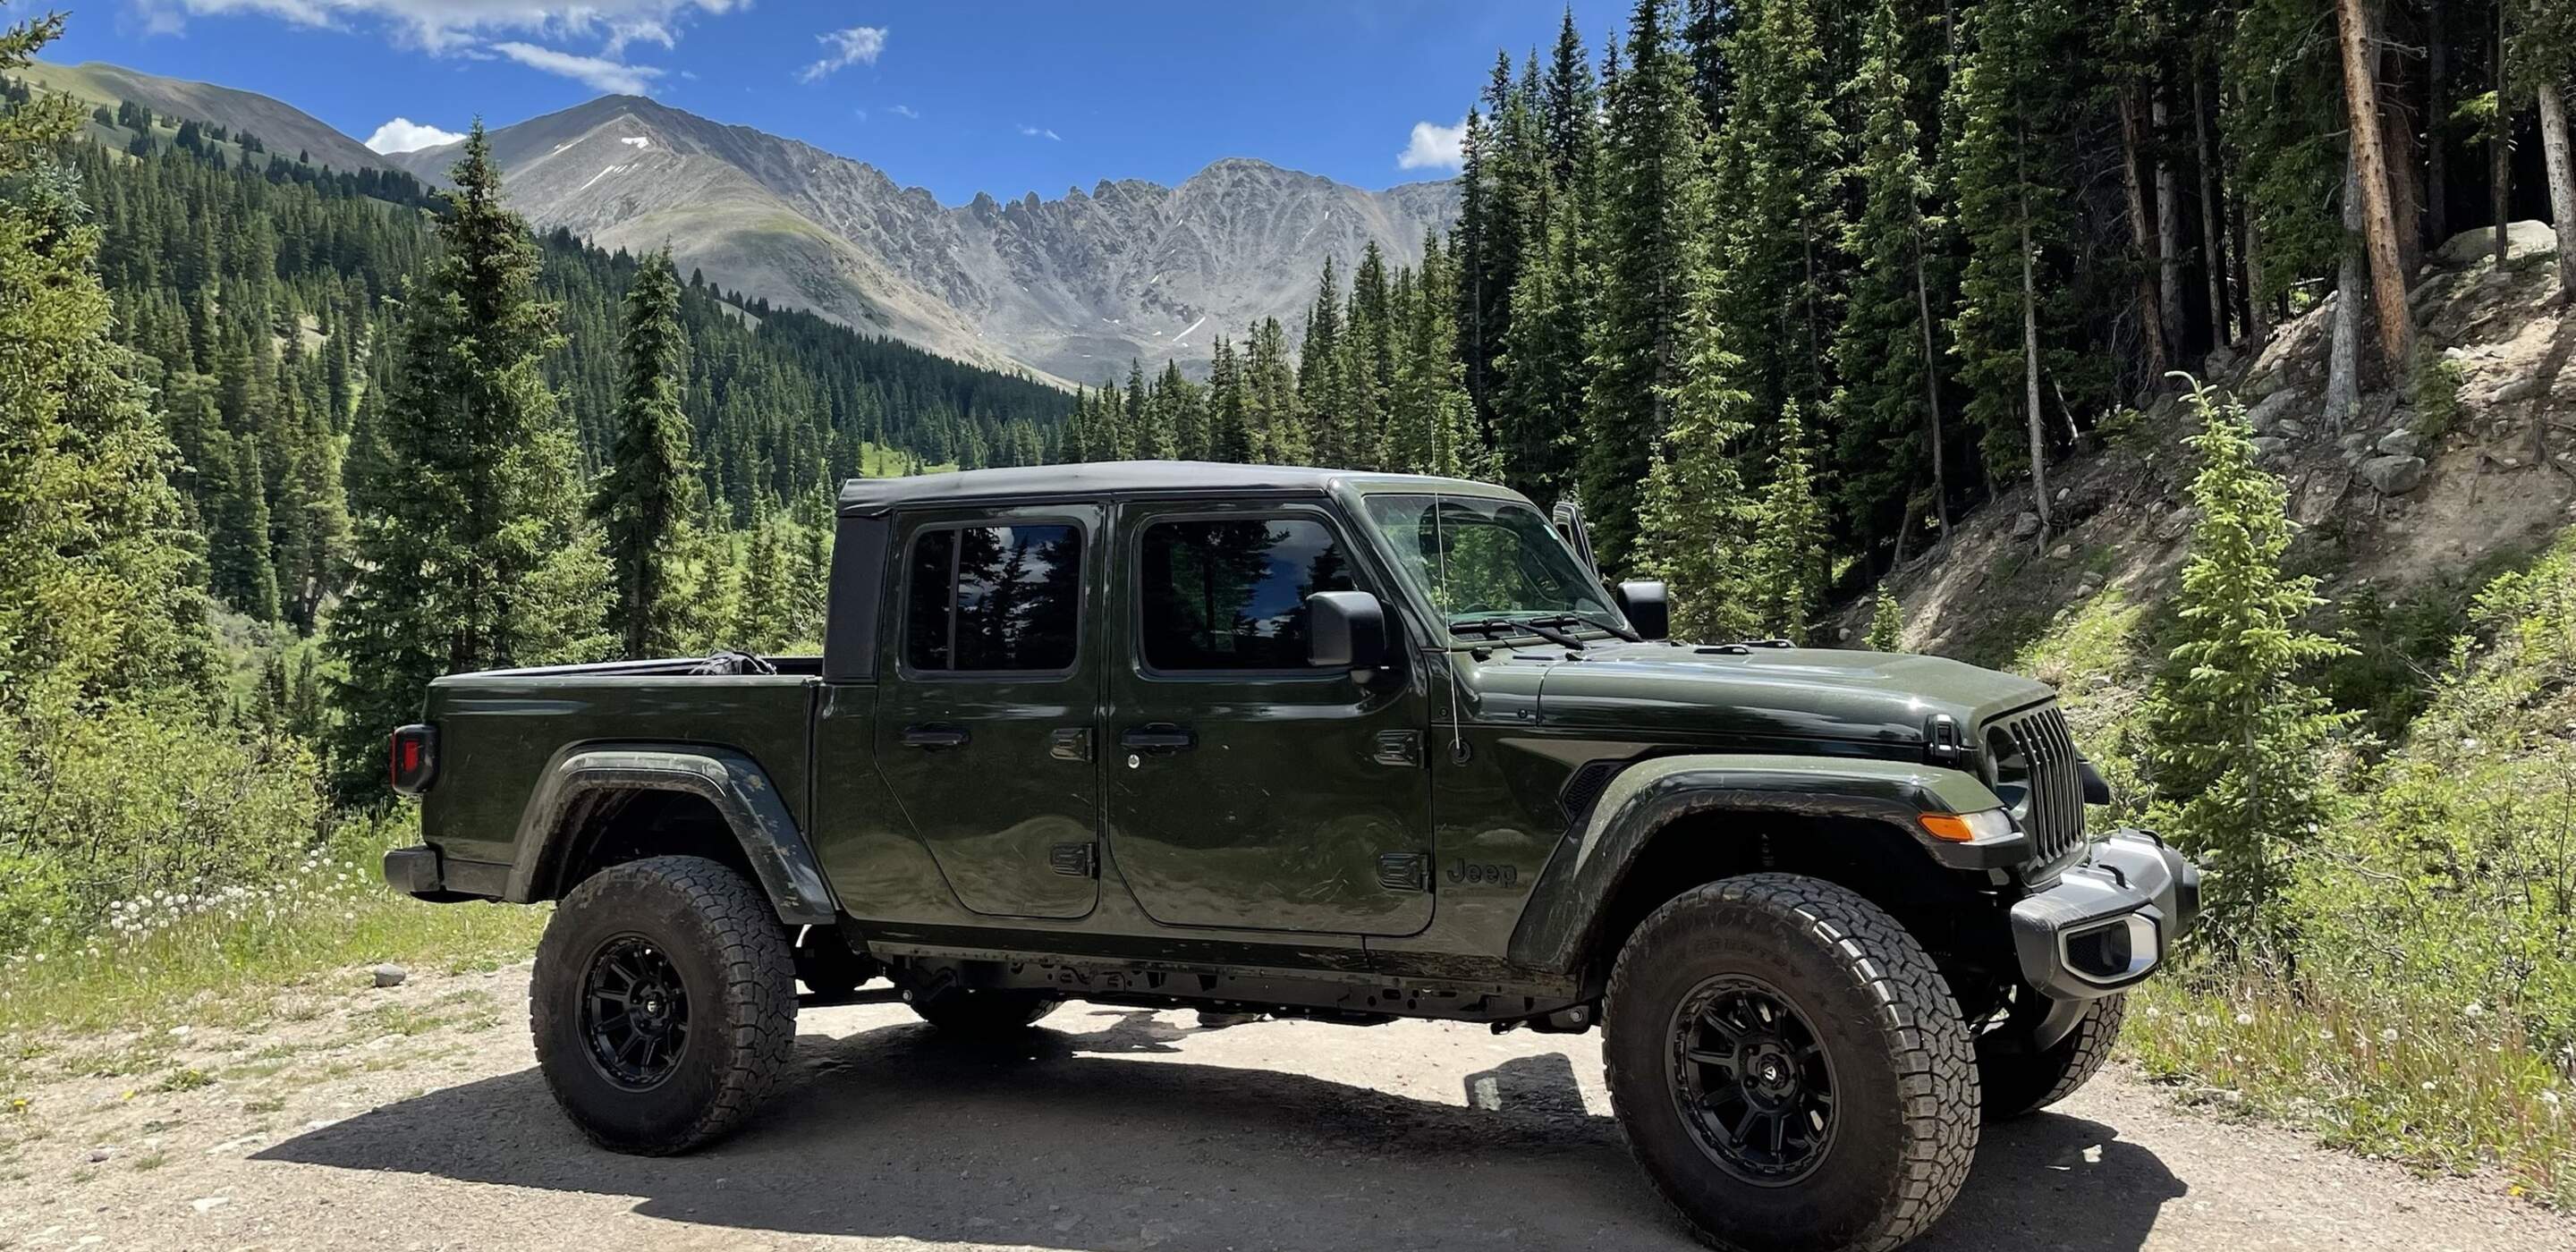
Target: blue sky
[1004,96]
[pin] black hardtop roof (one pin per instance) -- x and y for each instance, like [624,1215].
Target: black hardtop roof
[863,496]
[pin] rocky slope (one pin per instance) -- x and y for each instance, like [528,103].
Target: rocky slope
[1071,287]
[283,127]
[2397,498]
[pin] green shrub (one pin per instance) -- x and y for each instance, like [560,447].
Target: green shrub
[106,804]
[2435,392]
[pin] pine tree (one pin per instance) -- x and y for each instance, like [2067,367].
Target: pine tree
[1275,416]
[100,594]
[1886,622]
[2236,737]
[1230,436]
[764,615]
[2012,102]
[1653,157]
[1693,516]
[1888,441]
[2541,64]
[1324,405]
[1780,157]
[1367,358]
[1790,566]
[470,551]
[642,498]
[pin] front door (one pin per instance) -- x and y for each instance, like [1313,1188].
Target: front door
[1247,789]
[987,734]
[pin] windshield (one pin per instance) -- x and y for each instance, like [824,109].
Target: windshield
[1479,559]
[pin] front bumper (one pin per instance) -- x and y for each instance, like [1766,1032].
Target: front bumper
[2109,922]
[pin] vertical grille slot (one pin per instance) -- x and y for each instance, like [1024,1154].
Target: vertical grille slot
[2047,764]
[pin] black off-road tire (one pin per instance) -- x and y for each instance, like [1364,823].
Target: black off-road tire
[969,1014]
[1903,1119]
[2019,1082]
[731,957]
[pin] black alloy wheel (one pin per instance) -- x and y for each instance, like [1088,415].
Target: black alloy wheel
[634,1012]
[1751,1080]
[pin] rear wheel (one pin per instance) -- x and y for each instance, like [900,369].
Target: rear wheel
[1789,1067]
[983,1014]
[2020,1080]
[663,1003]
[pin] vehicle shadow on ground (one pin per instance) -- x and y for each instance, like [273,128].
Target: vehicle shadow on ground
[1090,1140]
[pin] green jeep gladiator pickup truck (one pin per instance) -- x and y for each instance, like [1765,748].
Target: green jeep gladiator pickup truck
[1340,746]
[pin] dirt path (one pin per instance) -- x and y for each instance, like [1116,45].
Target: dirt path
[413,1118]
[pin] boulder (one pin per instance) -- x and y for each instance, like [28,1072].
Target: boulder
[2290,428]
[2522,239]
[2393,475]
[2026,526]
[390,975]
[2268,446]
[2400,443]
[2273,408]
[2354,444]
[2518,390]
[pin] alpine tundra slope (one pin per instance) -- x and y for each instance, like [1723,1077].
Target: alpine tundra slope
[1336,746]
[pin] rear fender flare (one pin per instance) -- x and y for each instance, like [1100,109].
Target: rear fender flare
[729,780]
[1590,867]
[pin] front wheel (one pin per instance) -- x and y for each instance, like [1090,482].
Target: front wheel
[663,1003]
[1789,1067]
[2020,1080]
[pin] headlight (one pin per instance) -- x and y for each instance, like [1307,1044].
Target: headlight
[1988,826]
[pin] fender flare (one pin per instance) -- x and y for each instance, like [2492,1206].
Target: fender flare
[1590,866]
[730,780]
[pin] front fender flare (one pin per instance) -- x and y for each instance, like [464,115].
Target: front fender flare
[731,781]
[1588,869]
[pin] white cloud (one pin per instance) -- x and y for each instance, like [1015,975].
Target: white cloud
[450,25]
[1039,132]
[597,73]
[859,45]
[405,135]
[903,110]
[1434,147]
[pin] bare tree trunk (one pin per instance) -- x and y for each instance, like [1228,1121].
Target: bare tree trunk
[2168,228]
[1931,391]
[2213,228]
[2562,181]
[2142,236]
[2437,115]
[2500,160]
[2370,160]
[2343,358]
[2030,373]
[2258,305]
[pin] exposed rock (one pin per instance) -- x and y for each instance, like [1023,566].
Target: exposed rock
[2518,390]
[100,1156]
[2290,428]
[2219,361]
[390,975]
[2061,552]
[2269,445]
[2026,526]
[2400,443]
[2522,239]
[2393,475]
[2273,408]
[2354,443]
[2178,523]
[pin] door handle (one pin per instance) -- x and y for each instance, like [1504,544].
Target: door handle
[1159,738]
[933,737]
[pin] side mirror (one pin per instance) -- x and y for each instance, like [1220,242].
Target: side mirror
[1345,630]
[1649,608]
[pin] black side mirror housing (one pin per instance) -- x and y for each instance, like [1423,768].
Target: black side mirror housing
[1345,630]
[1649,608]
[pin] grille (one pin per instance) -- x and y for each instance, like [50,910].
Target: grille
[2035,755]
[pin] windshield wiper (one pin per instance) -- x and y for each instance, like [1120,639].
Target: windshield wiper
[1547,628]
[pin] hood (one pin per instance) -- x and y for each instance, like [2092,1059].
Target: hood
[1772,693]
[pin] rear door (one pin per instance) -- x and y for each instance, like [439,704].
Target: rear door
[1247,789]
[987,730]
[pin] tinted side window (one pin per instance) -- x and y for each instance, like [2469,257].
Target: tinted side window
[1227,594]
[991,598]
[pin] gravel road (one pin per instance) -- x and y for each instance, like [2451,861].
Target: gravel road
[413,1118]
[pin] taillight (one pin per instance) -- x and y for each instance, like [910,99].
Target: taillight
[414,759]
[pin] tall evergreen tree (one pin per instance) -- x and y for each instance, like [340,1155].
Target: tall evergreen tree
[1790,564]
[2236,733]
[1780,158]
[469,549]
[644,496]
[1654,155]
[1693,520]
